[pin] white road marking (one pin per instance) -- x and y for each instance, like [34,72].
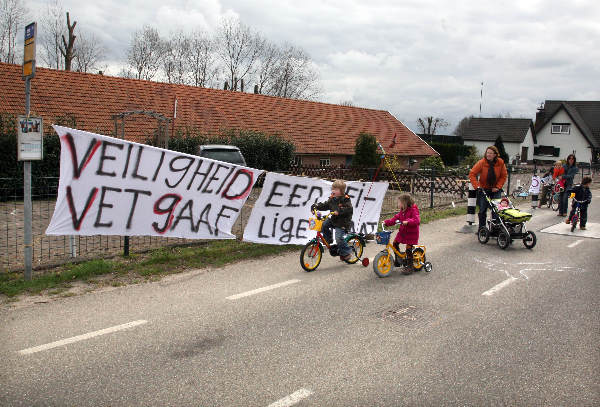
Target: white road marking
[499,286]
[292,399]
[89,335]
[575,243]
[260,290]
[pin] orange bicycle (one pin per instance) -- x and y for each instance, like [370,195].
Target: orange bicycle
[312,252]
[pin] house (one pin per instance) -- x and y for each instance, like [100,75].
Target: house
[565,127]
[517,136]
[322,133]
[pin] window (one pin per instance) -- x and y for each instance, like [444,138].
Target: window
[297,161]
[324,162]
[550,151]
[561,128]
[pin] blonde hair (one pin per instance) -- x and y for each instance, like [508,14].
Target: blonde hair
[339,184]
[558,162]
[407,199]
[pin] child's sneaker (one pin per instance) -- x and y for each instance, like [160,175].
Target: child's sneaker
[582,228]
[567,221]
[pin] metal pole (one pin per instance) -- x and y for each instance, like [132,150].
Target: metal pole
[432,182]
[27,196]
[508,185]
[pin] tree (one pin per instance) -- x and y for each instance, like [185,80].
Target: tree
[66,49]
[145,51]
[462,126]
[88,53]
[433,162]
[12,15]
[175,57]
[293,75]
[238,48]
[365,151]
[268,58]
[52,30]
[500,146]
[429,125]
[201,59]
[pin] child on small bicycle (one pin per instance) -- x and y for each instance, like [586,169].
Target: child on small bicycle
[408,233]
[583,194]
[341,208]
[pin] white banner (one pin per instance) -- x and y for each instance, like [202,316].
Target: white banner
[110,186]
[535,185]
[280,214]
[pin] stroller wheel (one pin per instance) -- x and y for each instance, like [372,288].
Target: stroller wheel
[503,240]
[483,234]
[529,240]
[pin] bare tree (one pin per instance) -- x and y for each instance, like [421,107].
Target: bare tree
[174,57]
[269,57]
[201,59]
[52,30]
[238,48]
[88,53]
[294,75]
[66,49]
[144,54]
[12,15]
[462,126]
[429,125]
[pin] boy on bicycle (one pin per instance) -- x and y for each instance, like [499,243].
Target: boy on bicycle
[583,194]
[341,209]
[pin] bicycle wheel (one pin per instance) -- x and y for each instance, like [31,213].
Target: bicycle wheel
[382,264]
[357,249]
[574,221]
[311,255]
[555,202]
[418,258]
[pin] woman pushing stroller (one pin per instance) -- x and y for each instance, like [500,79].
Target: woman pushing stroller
[488,174]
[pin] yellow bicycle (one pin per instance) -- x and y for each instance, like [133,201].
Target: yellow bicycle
[383,263]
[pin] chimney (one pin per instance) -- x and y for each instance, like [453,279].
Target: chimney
[234,84]
[226,86]
[100,73]
[256,89]
[540,116]
[242,85]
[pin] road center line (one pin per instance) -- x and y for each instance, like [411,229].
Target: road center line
[89,335]
[499,286]
[260,290]
[292,399]
[575,243]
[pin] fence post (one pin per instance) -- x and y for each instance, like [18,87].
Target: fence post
[509,175]
[431,187]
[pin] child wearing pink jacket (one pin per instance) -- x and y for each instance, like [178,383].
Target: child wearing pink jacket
[408,234]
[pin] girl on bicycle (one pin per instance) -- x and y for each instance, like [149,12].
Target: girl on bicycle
[584,196]
[408,234]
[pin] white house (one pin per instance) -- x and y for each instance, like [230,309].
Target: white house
[565,127]
[517,136]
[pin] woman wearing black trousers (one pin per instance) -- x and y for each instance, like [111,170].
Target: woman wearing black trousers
[570,172]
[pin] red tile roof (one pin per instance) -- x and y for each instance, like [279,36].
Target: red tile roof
[312,126]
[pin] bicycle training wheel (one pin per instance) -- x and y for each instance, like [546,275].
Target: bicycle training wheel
[555,202]
[382,264]
[357,249]
[418,258]
[310,256]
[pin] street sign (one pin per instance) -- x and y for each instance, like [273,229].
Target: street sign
[29,51]
[30,144]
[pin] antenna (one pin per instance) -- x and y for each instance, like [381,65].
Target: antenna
[480,99]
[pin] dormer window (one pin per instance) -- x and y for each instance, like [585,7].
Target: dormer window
[561,128]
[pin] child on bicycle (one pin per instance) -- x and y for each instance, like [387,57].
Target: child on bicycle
[341,208]
[408,234]
[583,194]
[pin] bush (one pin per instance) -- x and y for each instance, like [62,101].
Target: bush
[451,154]
[365,151]
[434,162]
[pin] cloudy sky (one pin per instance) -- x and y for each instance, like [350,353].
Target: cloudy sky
[413,58]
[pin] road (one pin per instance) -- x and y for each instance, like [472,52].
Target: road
[485,327]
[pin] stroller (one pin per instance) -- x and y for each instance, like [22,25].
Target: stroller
[507,223]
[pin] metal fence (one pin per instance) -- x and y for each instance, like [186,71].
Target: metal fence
[429,188]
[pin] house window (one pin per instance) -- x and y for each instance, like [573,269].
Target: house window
[324,162]
[297,161]
[561,128]
[549,151]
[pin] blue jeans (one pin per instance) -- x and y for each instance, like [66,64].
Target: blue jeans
[484,205]
[343,248]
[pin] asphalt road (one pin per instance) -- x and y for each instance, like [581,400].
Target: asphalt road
[485,327]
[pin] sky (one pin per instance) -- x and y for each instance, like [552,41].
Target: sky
[413,58]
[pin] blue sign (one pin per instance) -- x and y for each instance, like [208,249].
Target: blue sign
[30,31]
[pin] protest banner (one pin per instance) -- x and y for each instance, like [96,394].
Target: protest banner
[280,214]
[110,186]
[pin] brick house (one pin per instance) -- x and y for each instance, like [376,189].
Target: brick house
[322,133]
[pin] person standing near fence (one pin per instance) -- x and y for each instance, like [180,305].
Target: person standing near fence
[570,170]
[488,174]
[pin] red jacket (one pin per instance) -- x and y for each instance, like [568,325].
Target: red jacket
[481,168]
[407,234]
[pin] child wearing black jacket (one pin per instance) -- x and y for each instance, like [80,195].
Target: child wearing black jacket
[584,195]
